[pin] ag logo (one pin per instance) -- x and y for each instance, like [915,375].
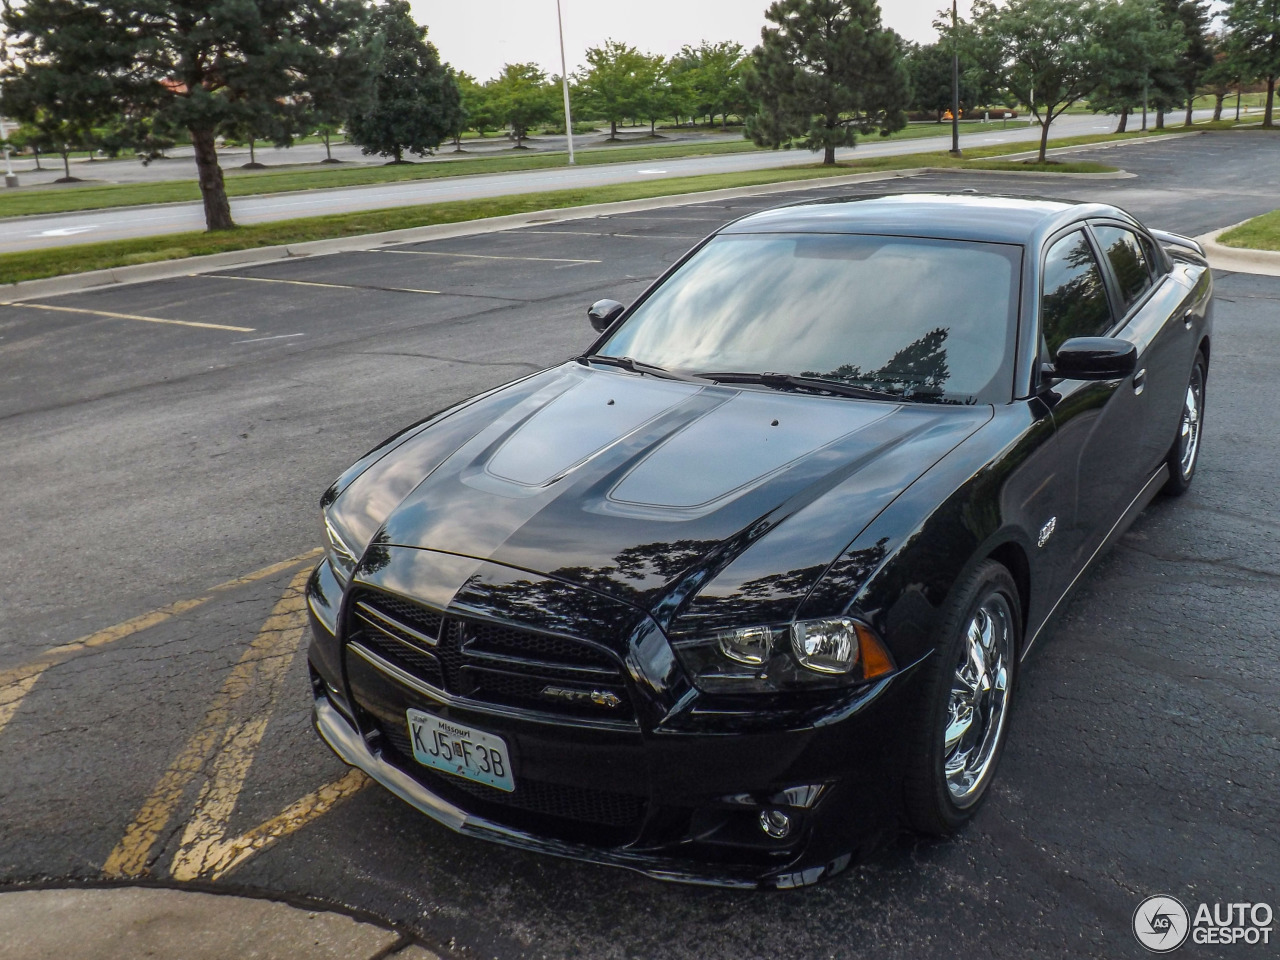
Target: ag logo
[1161,924]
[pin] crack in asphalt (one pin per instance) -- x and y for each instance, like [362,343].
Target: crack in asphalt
[430,356]
[1221,562]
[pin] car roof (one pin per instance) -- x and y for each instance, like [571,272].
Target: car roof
[954,216]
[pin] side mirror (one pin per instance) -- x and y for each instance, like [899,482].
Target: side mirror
[603,313]
[1094,358]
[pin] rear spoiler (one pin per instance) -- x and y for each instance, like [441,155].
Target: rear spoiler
[1180,247]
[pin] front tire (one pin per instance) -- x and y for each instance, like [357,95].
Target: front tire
[964,712]
[1185,452]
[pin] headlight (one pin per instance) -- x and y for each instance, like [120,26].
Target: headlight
[342,557]
[773,658]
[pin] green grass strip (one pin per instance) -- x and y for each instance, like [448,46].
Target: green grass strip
[66,198]
[1260,233]
[78,258]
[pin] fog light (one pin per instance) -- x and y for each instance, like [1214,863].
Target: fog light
[749,645]
[775,823]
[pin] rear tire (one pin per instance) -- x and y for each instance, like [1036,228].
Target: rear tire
[967,694]
[1185,452]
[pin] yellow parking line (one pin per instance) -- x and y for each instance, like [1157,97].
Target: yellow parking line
[318,283]
[224,856]
[256,679]
[485,256]
[204,832]
[128,316]
[12,694]
[16,682]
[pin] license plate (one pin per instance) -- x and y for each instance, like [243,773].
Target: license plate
[463,751]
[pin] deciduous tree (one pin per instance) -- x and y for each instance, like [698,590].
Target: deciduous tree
[825,71]
[1052,52]
[613,84]
[710,78]
[521,98]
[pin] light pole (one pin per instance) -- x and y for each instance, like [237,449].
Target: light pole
[564,82]
[955,83]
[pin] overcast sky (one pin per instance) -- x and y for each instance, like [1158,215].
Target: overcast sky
[479,36]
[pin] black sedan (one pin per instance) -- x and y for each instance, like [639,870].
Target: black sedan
[745,587]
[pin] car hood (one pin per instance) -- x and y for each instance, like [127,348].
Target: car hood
[647,489]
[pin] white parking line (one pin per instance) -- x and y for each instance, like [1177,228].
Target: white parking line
[486,256]
[282,336]
[128,316]
[318,283]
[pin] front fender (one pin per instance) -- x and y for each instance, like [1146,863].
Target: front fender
[979,501]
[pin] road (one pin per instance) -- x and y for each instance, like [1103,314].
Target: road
[28,233]
[179,163]
[162,450]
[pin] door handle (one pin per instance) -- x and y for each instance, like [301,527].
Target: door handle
[1139,382]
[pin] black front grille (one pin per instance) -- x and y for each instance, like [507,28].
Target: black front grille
[503,640]
[577,804]
[490,662]
[408,657]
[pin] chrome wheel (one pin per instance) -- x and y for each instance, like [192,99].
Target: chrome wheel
[979,700]
[1189,432]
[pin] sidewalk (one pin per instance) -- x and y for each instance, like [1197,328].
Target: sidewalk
[132,923]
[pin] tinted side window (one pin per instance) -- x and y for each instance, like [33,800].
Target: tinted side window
[1129,262]
[1074,301]
[1154,260]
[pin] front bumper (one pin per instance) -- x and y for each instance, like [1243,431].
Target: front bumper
[818,861]
[699,778]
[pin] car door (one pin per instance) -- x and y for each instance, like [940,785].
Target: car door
[1151,305]
[1099,424]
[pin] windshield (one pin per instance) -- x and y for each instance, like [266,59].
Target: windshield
[907,317]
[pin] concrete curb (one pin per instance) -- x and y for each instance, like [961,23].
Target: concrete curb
[191,266]
[107,923]
[1264,263]
[1034,174]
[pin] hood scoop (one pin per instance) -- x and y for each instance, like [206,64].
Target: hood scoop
[737,445]
[591,416]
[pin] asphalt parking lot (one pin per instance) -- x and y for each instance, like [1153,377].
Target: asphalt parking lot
[162,450]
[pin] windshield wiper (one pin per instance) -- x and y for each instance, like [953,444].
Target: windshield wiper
[790,381]
[636,366]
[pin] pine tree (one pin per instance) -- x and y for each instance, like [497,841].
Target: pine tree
[1138,44]
[825,72]
[186,63]
[1196,56]
[414,104]
[1255,24]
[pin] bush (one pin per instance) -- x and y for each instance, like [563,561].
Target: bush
[579,126]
